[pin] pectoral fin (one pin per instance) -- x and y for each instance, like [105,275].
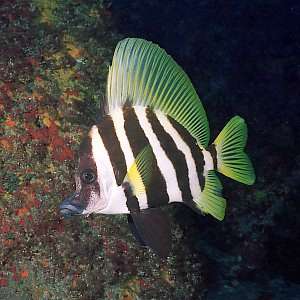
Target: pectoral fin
[152,227]
[139,174]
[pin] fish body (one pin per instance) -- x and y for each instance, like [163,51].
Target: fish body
[178,167]
[151,148]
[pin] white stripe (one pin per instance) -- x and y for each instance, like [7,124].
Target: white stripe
[106,178]
[208,162]
[164,164]
[104,167]
[185,149]
[117,202]
[118,120]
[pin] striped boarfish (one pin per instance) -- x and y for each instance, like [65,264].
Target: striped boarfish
[151,148]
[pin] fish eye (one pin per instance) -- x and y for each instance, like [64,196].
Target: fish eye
[88,176]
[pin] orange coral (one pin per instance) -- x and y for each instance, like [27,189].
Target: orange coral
[24,274]
[22,211]
[50,135]
[28,197]
[9,122]
[6,143]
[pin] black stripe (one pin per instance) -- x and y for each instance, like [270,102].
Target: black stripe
[157,190]
[196,151]
[112,145]
[132,201]
[213,151]
[176,156]
[86,161]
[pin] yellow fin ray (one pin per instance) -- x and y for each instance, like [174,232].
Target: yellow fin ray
[139,174]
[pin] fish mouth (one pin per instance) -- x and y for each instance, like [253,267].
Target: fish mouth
[67,208]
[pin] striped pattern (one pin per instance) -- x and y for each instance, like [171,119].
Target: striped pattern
[177,173]
[197,155]
[119,125]
[157,191]
[177,165]
[112,144]
[192,177]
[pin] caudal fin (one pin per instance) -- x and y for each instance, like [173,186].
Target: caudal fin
[232,161]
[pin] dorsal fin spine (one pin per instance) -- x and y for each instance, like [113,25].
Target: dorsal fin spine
[126,80]
[192,118]
[154,88]
[163,105]
[141,92]
[172,108]
[155,78]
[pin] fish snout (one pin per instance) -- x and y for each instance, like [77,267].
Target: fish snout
[70,206]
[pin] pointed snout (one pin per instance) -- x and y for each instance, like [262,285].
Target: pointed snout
[69,207]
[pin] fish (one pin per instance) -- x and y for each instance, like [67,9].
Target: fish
[151,148]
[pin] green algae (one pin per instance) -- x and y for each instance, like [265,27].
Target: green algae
[11,182]
[47,10]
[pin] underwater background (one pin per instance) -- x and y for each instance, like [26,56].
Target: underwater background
[243,58]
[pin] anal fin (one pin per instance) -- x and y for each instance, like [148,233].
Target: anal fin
[152,228]
[135,231]
[210,201]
